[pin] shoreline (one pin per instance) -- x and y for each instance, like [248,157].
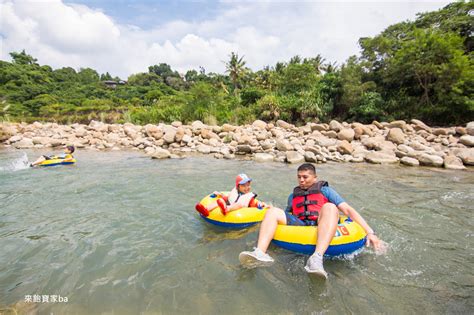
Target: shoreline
[397,142]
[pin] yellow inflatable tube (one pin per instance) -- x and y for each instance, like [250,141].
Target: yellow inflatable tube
[241,218]
[53,162]
[349,238]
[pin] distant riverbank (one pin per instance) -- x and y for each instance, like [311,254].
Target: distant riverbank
[410,143]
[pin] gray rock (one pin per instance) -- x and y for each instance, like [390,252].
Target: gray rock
[335,126]
[466,155]
[467,140]
[324,141]
[267,144]
[409,161]
[397,124]
[377,124]
[470,128]
[15,138]
[453,162]
[243,149]
[377,157]
[294,157]
[161,154]
[228,128]
[330,134]
[373,143]
[396,135]
[460,131]
[319,127]
[306,129]
[430,160]
[204,149]
[345,147]
[260,124]
[263,157]
[310,157]
[283,145]
[149,150]
[346,134]
[151,131]
[419,125]
[24,143]
[283,124]
[197,125]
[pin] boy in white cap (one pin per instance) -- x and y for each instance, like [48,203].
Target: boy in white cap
[239,197]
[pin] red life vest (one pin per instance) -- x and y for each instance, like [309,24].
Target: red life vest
[307,203]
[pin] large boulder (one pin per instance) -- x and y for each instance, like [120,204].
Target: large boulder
[345,147]
[6,132]
[397,124]
[453,162]
[152,131]
[197,125]
[419,125]
[466,155]
[470,128]
[180,133]
[15,138]
[283,124]
[443,131]
[324,141]
[430,160]
[396,135]
[24,143]
[373,143]
[467,140]
[170,133]
[377,157]
[310,157]
[81,132]
[294,157]
[335,126]
[204,149]
[346,134]
[267,144]
[208,134]
[283,145]
[319,127]
[409,161]
[260,124]
[243,149]
[160,153]
[228,128]
[263,157]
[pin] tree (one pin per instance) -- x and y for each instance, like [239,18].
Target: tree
[23,58]
[235,67]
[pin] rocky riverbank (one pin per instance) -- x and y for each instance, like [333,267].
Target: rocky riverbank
[411,144]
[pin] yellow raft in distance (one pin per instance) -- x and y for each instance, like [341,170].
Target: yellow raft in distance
[54,162]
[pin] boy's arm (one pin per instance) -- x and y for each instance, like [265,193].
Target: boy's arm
[289,207]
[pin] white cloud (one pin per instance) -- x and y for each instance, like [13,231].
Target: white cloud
[264,32]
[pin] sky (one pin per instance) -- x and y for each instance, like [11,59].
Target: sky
[126,37]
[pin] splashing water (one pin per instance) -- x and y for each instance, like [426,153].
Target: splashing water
[17,164]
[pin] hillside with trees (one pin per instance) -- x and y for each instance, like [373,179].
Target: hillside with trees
[414,69]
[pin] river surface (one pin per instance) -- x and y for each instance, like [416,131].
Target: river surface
[118,234]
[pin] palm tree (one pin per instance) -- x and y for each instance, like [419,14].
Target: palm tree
[329,67]
[316,62]
[236,69]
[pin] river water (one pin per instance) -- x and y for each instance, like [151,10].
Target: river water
[118,234]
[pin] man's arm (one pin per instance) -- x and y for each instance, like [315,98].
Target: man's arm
[372,239]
